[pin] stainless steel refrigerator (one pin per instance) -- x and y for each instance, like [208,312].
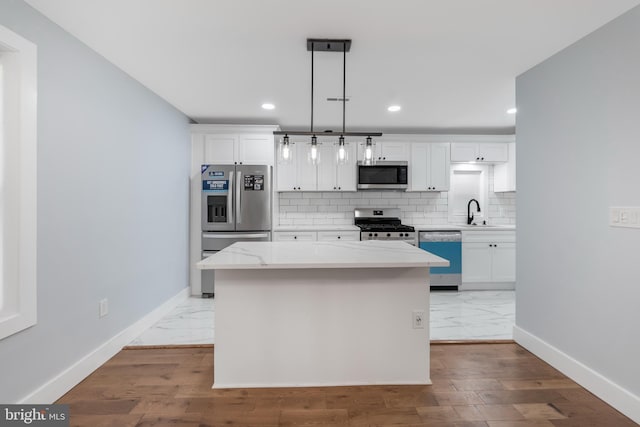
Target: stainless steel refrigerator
[236,207]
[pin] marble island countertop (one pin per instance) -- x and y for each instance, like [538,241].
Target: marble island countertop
[296,255]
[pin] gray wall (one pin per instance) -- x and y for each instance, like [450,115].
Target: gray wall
[578,280]
[113,185]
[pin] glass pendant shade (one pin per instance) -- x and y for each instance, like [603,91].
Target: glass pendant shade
[342,155]
[285,150]
[314,155]
[368,152]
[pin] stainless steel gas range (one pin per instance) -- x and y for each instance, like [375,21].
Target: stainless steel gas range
[383,224]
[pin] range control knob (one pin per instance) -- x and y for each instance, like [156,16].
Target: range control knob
[370,234]
[375,234]
[388,234]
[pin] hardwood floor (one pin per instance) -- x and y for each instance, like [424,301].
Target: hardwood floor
[474,385]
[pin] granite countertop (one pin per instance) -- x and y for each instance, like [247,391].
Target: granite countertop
[294,255]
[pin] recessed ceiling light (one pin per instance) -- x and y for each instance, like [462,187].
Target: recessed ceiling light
[512,110]
[268,106]
[394,108]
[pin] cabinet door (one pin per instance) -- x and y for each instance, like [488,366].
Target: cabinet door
[346,172]
[326,236]
[476,262]
[220,149]
[464,152]
[438,165]
[503,267]
[306,173]
[286,171]
[294,236]
[504,174]
[256,149]
[393,151]
[418,167]
[327,167]
[493,152]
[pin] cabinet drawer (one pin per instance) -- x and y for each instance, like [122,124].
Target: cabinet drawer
[493,236]
[294,236]
[324,236]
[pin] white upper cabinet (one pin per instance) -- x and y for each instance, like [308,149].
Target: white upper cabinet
[429,167]
[255,150]
[333,175]
[387,151]
[220,149]
[229,145]
[504,175]
[486,152]
[298,173]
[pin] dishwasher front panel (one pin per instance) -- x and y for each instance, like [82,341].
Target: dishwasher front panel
[448,245]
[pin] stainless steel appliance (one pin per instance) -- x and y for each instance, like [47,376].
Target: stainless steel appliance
[236,207]
[384,175]
[448,245]
[383,224]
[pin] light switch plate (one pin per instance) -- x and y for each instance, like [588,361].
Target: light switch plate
[627,217]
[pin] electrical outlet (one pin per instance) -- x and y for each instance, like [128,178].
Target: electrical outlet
[104,307]
[418,320]
[628,217]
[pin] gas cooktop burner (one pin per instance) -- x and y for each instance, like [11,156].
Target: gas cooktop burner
[386,227]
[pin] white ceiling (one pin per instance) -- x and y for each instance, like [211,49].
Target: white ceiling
[450,64]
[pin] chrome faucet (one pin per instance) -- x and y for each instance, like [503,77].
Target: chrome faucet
[469,213]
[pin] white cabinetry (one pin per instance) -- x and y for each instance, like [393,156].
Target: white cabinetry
[327,236]
[504,175]
[429,167]
[294,236]
[298,173]
[234,148]
[486,152]
[332,175]
[488,259]
[387,151]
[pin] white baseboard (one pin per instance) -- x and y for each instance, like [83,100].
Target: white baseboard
[616,396]
[70,377]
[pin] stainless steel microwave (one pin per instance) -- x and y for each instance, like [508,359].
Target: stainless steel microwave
[386,175]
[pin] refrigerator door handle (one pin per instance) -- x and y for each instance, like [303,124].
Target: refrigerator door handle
[230,207]
[218,235]
[239,197]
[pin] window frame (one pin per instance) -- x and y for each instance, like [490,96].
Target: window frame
[18,144]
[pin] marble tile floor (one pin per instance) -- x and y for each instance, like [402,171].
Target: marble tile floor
[467,315]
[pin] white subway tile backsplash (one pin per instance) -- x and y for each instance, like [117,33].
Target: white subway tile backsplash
[416,208]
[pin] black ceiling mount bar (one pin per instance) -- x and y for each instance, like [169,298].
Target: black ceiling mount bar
[325,133]
[329,45]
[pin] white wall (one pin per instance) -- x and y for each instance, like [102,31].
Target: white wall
[112,204]
[417,208]
[578,151]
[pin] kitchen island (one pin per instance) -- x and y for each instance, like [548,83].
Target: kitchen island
[291,314]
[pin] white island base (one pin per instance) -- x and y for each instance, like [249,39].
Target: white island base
[290,324]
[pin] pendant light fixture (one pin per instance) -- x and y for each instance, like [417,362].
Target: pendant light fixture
[285,149]
[328,45]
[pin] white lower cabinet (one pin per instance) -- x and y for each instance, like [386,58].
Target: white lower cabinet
[488,259]
[294,236]
[326,236]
